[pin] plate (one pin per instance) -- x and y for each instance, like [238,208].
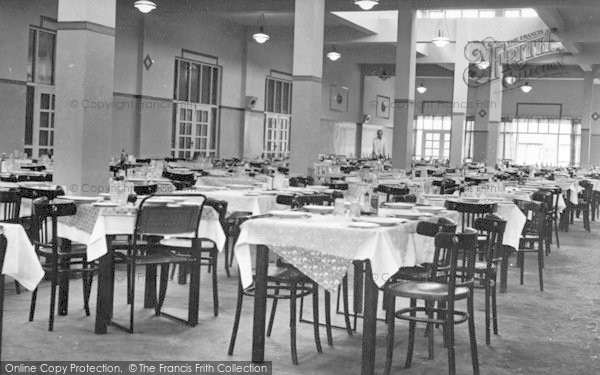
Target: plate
[240,187]
[207,188]
[319,209]
[288,214]
[158,200]
[382,221]
[79,199]
[399,205]
[105,204]
[412,215]
[363,224]
[432,209]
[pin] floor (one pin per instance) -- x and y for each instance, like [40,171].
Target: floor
[550,332]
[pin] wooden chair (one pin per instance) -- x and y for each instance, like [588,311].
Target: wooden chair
[392,191]
[286,283]
[532,235]
[545,197]
[153,223]
[232,232]
[556,193]
[59,255]
[454,286]
[470,211]
[10,209]
[486,272]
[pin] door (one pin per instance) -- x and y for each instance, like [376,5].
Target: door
[193,130]
[43,121]
[436,145]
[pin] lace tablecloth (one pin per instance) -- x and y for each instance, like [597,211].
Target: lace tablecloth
[324,246]
[91,224]
[241,200]
[20,261]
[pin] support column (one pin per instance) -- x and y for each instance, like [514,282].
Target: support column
[85,54]
[494,118]
[586,119]
[459,98]
[406,59]
[309,25]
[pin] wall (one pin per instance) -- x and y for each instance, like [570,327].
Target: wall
[15,18]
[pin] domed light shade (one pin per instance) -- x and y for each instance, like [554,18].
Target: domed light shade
[333,55]
[421,89]
[526,88]
[441,40]
[145,6]
[366,4]
[510,80]
[261,37]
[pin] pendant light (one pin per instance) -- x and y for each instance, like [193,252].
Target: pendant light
[366,4]
[145,6]
[421,89]
[510,80]
[333,55]
[441,40]
[261,37]
[526,88]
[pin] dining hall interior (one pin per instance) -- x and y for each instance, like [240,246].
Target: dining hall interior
[316,186]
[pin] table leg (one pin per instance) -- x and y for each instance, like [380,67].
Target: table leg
[150,289]
[104,301]
[260,304]
[504,270]
[369,323]
[63,283]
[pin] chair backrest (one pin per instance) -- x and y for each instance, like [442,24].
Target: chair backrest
[535,214]
[10,205]
[588,190]
[315,199]
[492,227]
[145,189]
[556,192]
[431,229]
[160,219]
[393,191]
[455,254]
[470,211]
[407,198]
[546,198]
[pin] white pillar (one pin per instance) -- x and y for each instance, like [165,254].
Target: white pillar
[459,97]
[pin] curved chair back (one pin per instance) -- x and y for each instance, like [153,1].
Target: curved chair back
[470,211]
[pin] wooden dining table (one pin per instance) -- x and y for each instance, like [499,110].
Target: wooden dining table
[325,256]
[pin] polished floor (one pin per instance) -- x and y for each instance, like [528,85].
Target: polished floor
[551,332]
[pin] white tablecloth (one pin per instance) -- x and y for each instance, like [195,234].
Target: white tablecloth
[324,246]
[240,200]
[91,225]
[20,261]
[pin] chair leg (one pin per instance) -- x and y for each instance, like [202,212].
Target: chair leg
[236,321]
[194,297]
[346,305]
[17,287]
[132,296]
[487,311]
[173,270]
[522,264]
[32,305]
[226,256]
[52,302]
[87,278]
[129,279]
[430,347]
[328,318]
[162,288]
[293,323]
[391,322]
[541,265]
[215,285]
[450,338]
[556,233]
[472,336]
[273,309]
[411,334]
[315,301]
[494,309]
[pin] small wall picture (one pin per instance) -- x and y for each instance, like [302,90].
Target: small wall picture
[383,107]
[338,99]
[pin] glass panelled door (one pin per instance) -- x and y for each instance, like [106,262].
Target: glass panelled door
[436,144]
[277,128]
[42,136]
[193,130]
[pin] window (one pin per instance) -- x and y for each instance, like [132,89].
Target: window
[541,141]
[278,118]
[512,13]
[528,12]
[469,146]
[196,115]
[40,96]
[453,13]
[432,137]
[470,13]
[487,13]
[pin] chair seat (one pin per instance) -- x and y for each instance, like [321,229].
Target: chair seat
[416,273]
[162,258]
[185,243]
[426,290]
[77,250]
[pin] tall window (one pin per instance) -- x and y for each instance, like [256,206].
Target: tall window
[40,98]
[278,117]
[196,115]
[432,137]
[541,141]
[469,145]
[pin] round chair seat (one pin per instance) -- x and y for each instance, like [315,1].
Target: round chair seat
[184,243]
[426,290]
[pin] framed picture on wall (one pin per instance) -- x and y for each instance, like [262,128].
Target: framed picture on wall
[383,107]
[338,98]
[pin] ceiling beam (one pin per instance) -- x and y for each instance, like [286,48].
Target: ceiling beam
[553,19]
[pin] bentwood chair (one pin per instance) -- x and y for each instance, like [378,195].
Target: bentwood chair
[486,272]
[532,236]
[10,209]
[285,282]
[392,191]
[455,284]
[59,255]
[556,193]
[470,211]
[154,222]
[546,199]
